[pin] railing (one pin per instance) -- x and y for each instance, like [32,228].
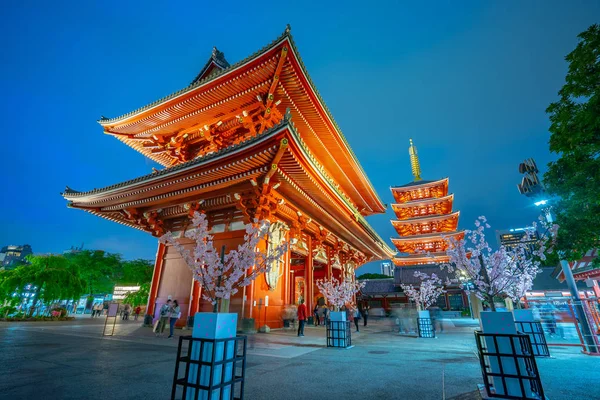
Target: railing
[508,366]
[534,330]
[213,368]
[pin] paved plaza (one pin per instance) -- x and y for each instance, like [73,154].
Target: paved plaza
[72,361]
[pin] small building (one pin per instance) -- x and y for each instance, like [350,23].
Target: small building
[11,255]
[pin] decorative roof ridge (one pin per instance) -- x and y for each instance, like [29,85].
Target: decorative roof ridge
[330,116]
[200,159]
[423,255]
[412,203]
[427,236]
[218,58]
[412,184]
[360,218]
[193,85]
[425,217]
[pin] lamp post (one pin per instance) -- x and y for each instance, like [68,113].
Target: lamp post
[467,286]
[531,187]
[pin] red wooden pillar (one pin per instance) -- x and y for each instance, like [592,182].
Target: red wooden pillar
[158,266]
[308,276]
[195,298]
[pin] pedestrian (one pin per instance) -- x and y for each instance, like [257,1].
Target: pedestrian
[137,312]
[164,315]
[316,314]
[104,309]
[126,312]
[356,318]
[175,315]
[325,316]
[301,317]
[436,318]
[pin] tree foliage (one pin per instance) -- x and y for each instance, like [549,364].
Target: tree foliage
[138,298]
[99,269]
[55,277]
[575,136]
[137,272]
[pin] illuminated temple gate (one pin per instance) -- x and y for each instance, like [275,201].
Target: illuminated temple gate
[244,141]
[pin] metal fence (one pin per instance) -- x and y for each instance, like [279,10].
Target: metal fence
[508,366]
[536,335]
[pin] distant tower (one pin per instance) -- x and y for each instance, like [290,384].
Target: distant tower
[424,212]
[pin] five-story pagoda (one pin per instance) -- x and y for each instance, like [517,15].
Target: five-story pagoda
[425,217]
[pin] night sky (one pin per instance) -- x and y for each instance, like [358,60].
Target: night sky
[468,81]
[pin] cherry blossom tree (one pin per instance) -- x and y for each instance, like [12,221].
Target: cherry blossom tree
[339,293]
[503,272]
[427,293]
[221,275]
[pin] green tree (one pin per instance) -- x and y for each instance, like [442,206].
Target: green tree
[55,277]
[138,298]
[99,269]
[374,276]
[137,272]
[575,136]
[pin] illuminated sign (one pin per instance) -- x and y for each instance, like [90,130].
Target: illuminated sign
[120,292]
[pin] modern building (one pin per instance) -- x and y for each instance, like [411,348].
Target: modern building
[249,140]
[511,237]
[387,268]
[11,256]
[425,220]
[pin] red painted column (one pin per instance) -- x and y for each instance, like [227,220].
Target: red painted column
[308,276]
[195,298]
[158,265]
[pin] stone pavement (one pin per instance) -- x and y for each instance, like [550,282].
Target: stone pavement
[71,360]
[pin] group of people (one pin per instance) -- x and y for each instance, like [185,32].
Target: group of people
[321,315]
[169,314]
[126,311]
[97,309]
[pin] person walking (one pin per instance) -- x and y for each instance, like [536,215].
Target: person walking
[126,312]
[175,315]
[356,318]
[325,316]
[365,315]
[316,314]
[165,314]
[301,317]
[137,312]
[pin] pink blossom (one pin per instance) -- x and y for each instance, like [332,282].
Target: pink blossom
[339,293]
[505,272]
[427,293]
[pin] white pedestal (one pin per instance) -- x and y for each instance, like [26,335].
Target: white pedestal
[338,335]
[213,326]
[523,315]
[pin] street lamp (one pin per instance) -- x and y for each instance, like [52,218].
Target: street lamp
[531,187]
[467,286]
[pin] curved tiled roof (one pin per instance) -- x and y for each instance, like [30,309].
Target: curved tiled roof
[70,193]
[286,35]
[417,183]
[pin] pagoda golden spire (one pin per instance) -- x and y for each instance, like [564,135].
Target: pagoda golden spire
[414,161]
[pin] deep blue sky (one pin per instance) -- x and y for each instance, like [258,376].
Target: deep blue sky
[468,81]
